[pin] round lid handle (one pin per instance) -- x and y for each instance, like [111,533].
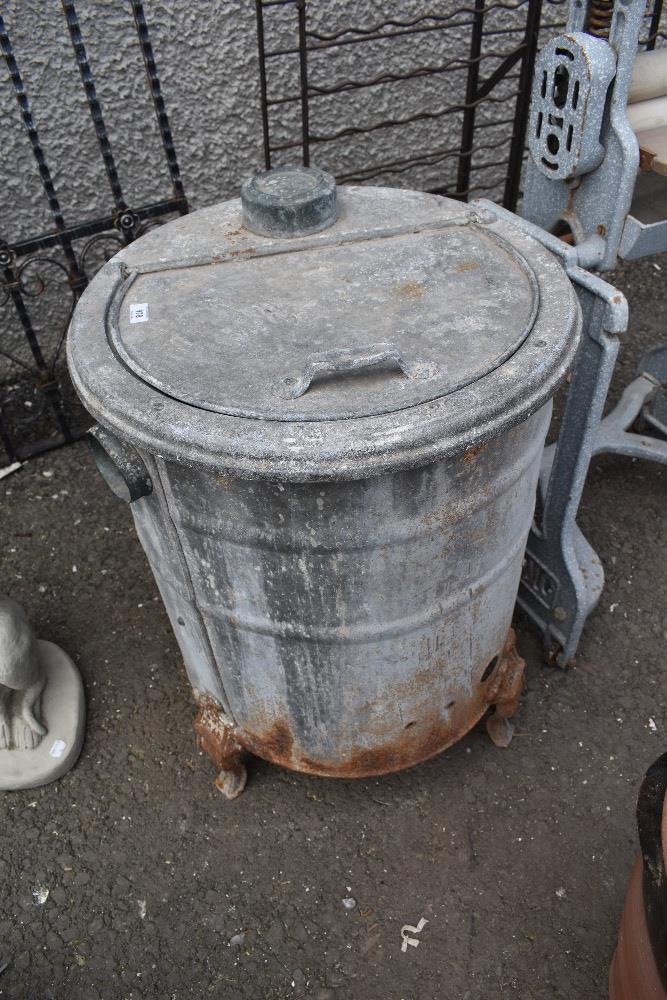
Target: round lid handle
[351,359]
[289,201]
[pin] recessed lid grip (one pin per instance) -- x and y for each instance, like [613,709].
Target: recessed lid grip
[350,359]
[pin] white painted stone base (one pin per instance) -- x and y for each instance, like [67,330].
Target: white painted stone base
[63,712]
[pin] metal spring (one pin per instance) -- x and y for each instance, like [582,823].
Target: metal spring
[600,13]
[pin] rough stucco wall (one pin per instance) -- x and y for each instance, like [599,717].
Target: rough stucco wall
[206,55]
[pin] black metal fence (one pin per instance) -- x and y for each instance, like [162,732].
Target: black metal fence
[38,410]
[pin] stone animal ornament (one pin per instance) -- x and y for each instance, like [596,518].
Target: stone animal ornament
[22,680]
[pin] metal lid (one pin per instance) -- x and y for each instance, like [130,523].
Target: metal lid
[368,325]
[289,201]
[412,328]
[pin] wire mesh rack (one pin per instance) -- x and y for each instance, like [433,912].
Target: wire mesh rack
[435,99]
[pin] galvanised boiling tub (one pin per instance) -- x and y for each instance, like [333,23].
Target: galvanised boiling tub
[327,410]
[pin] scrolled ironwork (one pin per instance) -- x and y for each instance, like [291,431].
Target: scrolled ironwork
[35,396]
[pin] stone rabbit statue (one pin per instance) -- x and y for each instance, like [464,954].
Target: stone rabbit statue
[22,680]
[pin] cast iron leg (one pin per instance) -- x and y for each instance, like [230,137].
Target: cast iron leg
[506,693]
[216,738]
[614,436]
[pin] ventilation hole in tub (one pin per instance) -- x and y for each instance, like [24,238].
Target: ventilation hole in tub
[563,230]
[180,621]
[409,724]
[490,667]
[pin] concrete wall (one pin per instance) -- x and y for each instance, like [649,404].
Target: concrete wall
[206,54]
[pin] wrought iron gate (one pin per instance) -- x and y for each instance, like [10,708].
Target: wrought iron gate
[38,410]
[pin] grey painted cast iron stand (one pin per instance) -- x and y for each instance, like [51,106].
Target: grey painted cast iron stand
[42,709]
[581,177]
[562,578]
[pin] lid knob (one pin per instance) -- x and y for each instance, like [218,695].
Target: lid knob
[289,201]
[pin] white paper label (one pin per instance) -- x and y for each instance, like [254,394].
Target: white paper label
[138,312]
[57,748]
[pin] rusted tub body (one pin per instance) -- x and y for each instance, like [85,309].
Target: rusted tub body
[339,562]
[353,622]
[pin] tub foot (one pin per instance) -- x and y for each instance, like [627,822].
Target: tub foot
[231,781]
[505,693]
[215,737]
